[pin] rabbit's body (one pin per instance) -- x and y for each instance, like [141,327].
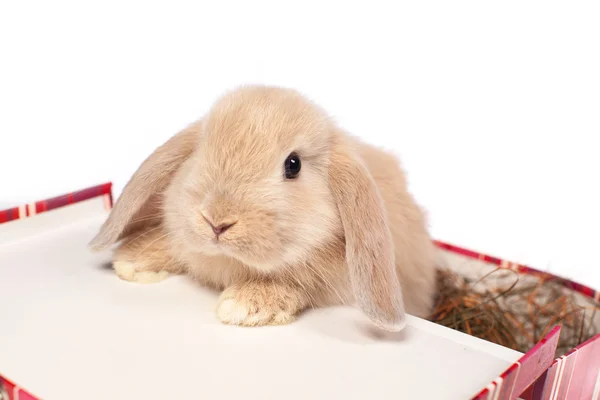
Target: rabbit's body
[330,235]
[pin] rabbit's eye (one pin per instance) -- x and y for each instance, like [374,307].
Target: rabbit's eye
[292,166]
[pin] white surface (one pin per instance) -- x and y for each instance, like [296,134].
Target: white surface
[493,106]
[71,330]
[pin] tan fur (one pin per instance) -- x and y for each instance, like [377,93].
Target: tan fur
[345,231]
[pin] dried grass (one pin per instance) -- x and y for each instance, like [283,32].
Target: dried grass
[515,310]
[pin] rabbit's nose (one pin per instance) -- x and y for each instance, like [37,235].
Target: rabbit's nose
[221,228]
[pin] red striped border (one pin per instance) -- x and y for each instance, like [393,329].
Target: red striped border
[13,391]
[524,269]
[28,210]
[522,374]
[576,375]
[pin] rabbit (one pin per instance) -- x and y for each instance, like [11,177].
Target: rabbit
[267,200]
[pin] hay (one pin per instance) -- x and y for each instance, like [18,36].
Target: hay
[515,310]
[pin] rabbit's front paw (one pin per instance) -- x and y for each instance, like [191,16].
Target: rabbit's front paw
[130,272]
[256,304]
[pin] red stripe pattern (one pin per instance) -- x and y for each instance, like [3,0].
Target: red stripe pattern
[56,202]
[576,375]
[10,391]
[524,372]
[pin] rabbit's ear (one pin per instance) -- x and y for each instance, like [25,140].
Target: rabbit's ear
[139,201]
[369,245]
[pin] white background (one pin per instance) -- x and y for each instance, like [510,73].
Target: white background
[493,107]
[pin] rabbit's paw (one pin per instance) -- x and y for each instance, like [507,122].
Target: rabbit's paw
[130,272]
[256,304]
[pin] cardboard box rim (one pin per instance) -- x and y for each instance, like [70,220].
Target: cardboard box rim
[545,377]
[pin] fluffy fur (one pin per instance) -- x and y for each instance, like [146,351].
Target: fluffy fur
[345,231]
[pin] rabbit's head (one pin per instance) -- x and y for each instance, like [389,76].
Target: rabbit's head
[256,187]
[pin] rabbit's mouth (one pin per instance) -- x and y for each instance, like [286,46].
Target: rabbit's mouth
[216,247]
[264,260]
